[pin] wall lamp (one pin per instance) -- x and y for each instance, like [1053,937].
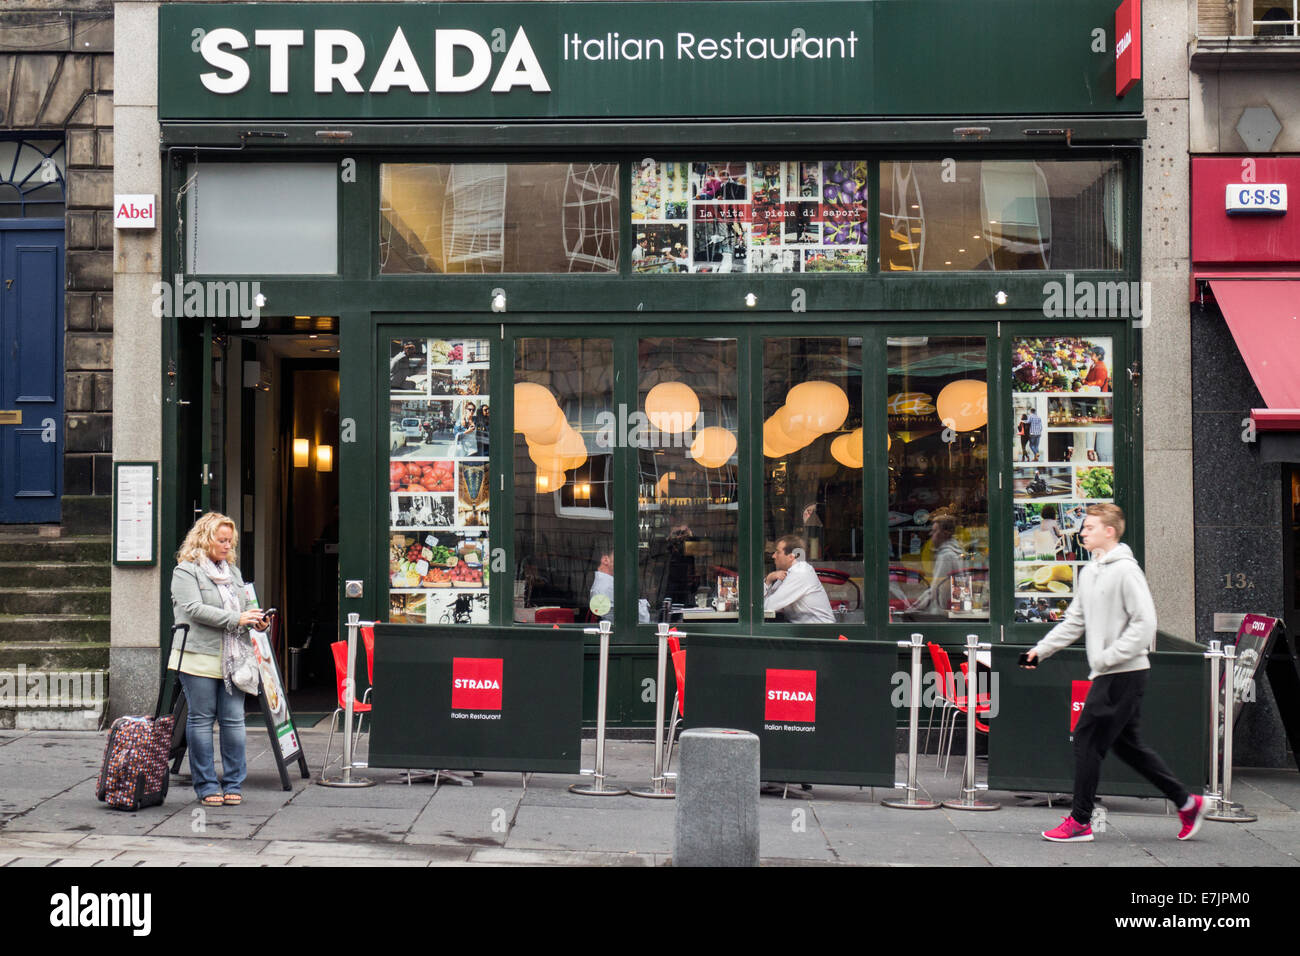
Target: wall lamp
[498,300]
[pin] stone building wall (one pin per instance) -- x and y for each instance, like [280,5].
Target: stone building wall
[56,76]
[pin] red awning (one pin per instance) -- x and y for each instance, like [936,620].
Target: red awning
[1264,317]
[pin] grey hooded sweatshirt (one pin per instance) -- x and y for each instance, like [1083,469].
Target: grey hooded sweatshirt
[1113,610]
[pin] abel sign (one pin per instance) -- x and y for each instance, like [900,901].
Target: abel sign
[134,212]
[660,60]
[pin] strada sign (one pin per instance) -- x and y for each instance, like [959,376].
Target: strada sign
[661,60]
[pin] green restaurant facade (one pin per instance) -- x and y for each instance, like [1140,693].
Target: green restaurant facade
[659,281]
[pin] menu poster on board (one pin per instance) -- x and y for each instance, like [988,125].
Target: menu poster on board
[439,483]
[133,513]
[1063,459]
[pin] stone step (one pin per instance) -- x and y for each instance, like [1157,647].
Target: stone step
[28,548]
[45,574]
[53,629]
[39,601]
[86,655]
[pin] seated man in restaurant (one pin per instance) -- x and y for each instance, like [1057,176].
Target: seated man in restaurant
[793,588]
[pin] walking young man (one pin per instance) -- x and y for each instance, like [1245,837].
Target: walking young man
[1112,608]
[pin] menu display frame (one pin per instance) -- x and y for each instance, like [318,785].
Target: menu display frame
[127,508]
[437,510]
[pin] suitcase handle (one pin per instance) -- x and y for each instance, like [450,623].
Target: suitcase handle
[162,685]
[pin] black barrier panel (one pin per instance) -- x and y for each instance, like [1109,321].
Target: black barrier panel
[821,709]
[477,698]
[1030,745]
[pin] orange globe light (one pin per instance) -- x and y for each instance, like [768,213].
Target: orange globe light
[547,458]
[571,448]
[535,408]
[821,406]
[847,449]
[964,405]
[672,407]
[793,426]
[713,446]
[776,444]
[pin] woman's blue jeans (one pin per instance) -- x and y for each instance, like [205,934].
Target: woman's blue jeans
[208,701]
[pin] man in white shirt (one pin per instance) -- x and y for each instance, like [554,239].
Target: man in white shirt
[793,587]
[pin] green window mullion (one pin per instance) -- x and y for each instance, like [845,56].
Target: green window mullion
[626,498]
[875,483]
[753,487]
[501,470]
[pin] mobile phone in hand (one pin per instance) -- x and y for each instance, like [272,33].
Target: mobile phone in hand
[1026,662]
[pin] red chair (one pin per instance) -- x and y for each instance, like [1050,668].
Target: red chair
[368,639]
[953,702]
[554,615]
[840,579]
[340,651]
[679,702]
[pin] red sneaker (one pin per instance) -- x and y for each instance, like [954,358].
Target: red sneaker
[1191,819]
[1070,831]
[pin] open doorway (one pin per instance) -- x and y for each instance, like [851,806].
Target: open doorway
[274,446]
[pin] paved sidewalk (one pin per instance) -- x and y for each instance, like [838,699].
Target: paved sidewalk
[49,817]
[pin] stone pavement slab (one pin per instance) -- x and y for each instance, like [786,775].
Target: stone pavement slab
[339,824]
[584,828]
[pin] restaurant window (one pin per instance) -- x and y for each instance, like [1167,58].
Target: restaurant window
[813,460]
[937,522]
[686,440]
[1063,454]
[730,216]
[1001,215]
[455,218]
[32,178]
[562,501]
[439,424]
[261,218]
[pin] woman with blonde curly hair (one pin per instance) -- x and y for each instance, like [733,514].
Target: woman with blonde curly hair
[208,594]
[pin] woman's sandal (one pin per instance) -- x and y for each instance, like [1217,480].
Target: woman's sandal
[232,799]
[212,800]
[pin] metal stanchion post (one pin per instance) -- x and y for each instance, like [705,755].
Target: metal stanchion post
[1229,812]
[598,789]
[913,730]
[349,696]
[1213,795]
[969,788]
[657,789]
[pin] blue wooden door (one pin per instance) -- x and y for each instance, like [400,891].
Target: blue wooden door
[31,371]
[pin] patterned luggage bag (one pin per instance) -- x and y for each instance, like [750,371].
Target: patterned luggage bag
[134,770]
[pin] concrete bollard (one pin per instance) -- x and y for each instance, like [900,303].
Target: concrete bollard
[717,799]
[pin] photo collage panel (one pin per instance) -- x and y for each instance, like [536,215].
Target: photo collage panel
[439,433]
[1063,459]
[721,217]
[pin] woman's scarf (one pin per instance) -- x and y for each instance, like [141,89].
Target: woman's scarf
[238,663]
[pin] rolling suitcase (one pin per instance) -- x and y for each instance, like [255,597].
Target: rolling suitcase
[134,770]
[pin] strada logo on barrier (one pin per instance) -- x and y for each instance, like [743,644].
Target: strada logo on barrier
[476,683]
[791,695]
[1078,694]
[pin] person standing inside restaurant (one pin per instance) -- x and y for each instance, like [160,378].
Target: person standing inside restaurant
[208,594]
[793,588]
[1113,611]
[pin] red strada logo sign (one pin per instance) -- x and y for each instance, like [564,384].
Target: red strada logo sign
[791,695]
[476,683]
[1078,694]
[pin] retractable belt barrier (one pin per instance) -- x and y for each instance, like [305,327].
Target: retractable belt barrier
[911,801]
[658,789]
[598,788]
[349,697]
[1225,810]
